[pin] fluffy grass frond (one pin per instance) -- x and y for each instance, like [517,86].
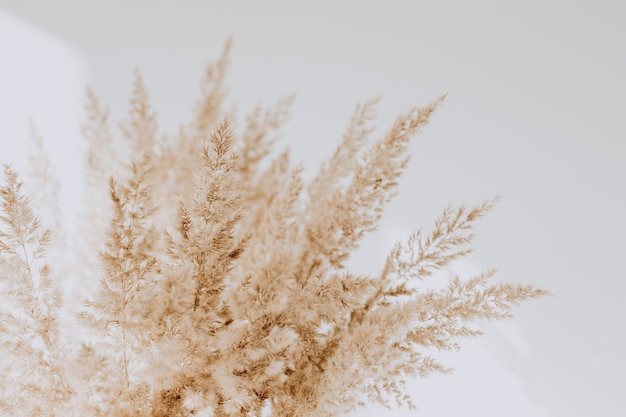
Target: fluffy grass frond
[31,346]
[140,127]
[256,142]
[43,179]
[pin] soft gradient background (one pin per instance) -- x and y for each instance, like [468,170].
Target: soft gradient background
[535,112]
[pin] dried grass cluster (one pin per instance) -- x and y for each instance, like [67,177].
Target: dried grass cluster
[219,287]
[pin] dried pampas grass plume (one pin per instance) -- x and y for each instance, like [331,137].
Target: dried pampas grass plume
[218,284]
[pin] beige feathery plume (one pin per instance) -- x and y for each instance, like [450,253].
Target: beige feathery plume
[221,287]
